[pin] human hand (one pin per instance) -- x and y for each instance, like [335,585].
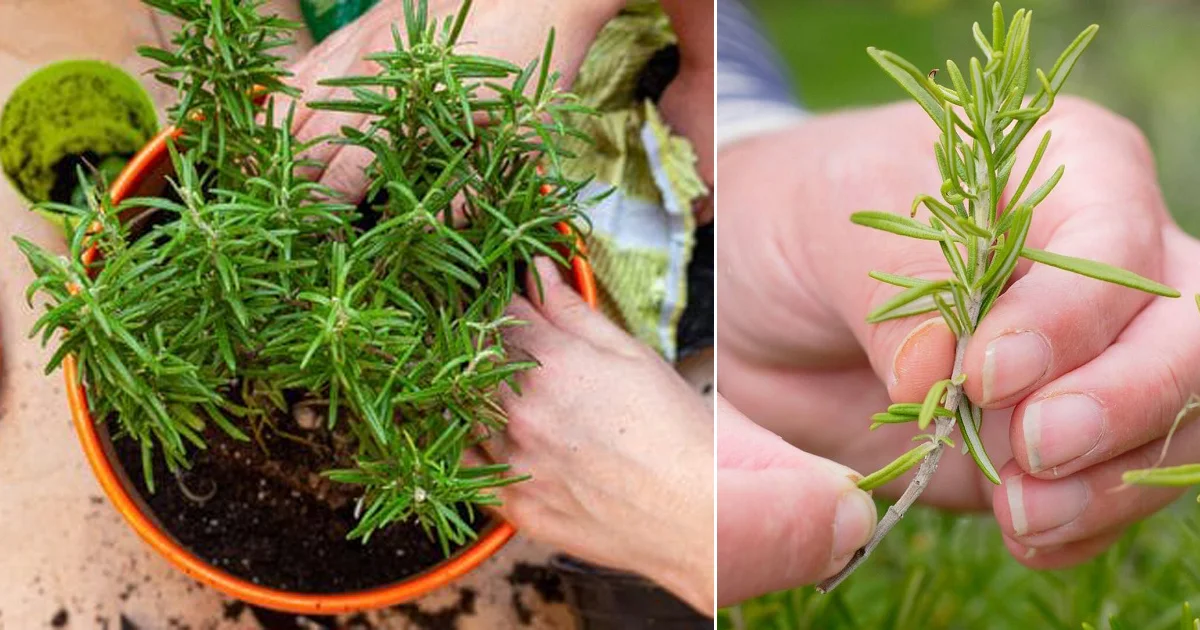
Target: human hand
[515,31]
[619,447]
[785,517]
[1100,420]
[797,352]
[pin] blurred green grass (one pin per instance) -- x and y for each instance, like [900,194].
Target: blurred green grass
[1144,63]
[943,571]
[939,571]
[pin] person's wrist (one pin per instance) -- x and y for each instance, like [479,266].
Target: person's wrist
[687,570]
[691,578]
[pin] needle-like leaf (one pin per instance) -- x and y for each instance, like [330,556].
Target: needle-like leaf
[1099,271]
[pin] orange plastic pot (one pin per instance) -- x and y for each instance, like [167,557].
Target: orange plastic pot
[143,175]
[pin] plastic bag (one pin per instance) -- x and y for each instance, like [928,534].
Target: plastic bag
[324,17]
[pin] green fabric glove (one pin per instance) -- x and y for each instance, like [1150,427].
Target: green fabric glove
[323,17]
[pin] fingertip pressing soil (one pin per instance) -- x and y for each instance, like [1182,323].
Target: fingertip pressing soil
[274,520]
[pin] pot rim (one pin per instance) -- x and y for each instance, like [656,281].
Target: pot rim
[92,439]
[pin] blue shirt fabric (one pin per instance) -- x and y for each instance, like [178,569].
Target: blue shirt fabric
[754,95]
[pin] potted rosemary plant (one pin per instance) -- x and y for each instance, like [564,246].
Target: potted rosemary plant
[983,116]
[276,389]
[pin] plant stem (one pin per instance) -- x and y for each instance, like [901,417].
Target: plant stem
[942,428]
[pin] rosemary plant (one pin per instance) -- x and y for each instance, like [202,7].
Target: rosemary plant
[983,118]
[223,66]
[254,285]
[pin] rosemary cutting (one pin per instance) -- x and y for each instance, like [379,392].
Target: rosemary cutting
[250,285]
[983,118]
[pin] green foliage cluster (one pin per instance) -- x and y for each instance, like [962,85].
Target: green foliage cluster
[252,284]
[983,117]
[944,571]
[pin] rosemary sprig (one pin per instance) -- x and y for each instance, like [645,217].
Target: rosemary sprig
[223,66]
[253,284]
[983,118]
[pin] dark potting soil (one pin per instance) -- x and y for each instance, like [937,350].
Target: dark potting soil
[273,520]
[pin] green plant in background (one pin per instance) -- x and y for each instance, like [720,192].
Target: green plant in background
[983,118]
[253,283]
[1144,67]
[943,571]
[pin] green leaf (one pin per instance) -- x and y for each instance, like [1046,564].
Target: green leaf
[890,418]
[981,40]
[1037,196]
[1171,476]
[974,444]
[1033,164]
[905,298]
[897,467]
[931,405]
[1005,261]
[914,410]
[1099,271]
[909,282]
[940,211]
[915,82]
[544,70]
[1057,77]
[997,26]
[888,222]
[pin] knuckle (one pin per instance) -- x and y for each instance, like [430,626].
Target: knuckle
[567,307]
[1091,119]
[1174,393]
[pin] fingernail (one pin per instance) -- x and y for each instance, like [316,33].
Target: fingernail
[1037,506]
[1060,429]
[1012,363]
[853,523]
[911,346]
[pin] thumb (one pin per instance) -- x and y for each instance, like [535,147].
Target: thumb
[784,517]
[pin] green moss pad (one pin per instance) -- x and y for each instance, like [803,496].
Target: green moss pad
[70,108]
